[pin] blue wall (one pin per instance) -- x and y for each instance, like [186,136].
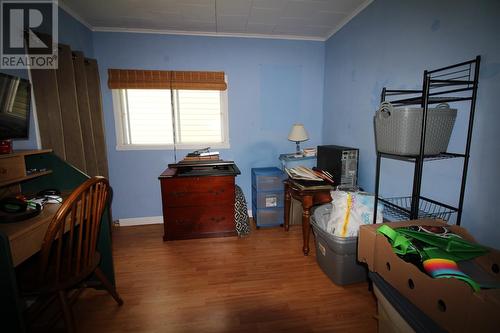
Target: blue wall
[71,32]
[389,44]
[272,84]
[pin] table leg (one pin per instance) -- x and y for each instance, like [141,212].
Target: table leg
[287,208]
[306,227]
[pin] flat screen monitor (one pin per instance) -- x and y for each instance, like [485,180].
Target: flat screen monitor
[14,107]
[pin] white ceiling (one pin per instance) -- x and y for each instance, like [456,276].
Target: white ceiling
[288,19]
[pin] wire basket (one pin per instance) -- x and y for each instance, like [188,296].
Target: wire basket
[399,208]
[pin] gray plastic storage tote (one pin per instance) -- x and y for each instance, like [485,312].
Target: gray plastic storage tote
[397,130]
[336,256]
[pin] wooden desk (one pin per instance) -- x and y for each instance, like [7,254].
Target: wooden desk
[308,199]
[20,240]
[26,237]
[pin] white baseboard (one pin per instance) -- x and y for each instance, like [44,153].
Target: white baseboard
[140,221]
[149,220]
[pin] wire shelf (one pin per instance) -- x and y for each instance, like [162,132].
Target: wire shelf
[448,84]
[454,83]
[431,100]
[442,156]
[398,208]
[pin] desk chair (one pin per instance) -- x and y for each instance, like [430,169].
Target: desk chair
[69,252]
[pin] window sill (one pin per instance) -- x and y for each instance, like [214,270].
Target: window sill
[171,147]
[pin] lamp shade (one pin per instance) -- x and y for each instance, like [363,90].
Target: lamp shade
[298,133]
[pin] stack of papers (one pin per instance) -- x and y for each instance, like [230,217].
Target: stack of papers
[302,173]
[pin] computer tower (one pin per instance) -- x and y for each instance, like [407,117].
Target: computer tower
[341,162]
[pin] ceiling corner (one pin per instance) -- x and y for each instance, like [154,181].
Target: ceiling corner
[349,18]
[75,15]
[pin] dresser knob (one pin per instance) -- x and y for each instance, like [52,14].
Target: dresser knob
[218,219]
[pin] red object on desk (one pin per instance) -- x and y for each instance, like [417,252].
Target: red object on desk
[5,146]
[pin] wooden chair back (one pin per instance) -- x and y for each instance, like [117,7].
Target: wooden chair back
[68,253]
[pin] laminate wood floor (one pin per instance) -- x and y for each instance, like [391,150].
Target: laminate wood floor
[260,283]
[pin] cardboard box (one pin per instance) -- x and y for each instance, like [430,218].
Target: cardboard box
[389,319]
[451,303]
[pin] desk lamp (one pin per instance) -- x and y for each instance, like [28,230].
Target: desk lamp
[298,133]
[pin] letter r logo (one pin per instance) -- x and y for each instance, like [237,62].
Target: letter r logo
[20,21]
[28,34]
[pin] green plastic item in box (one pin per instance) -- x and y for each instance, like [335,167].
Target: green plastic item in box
[431,246]
[452,247]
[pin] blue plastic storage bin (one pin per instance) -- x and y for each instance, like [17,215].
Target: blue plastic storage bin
[268,179]
[268,217]
[268,199]
[268,196]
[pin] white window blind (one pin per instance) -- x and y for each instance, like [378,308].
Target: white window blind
[199,116]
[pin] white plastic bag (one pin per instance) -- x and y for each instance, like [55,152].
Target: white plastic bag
[350,210]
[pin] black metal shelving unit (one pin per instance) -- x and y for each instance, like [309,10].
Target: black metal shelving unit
[444,85]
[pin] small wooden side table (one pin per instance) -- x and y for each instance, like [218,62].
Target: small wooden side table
[308,197]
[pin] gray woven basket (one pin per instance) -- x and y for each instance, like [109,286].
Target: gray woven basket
[397,130]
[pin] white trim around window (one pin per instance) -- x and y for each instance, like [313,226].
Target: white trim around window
[122,127]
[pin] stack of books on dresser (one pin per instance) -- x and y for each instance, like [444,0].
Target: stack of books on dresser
[203,155]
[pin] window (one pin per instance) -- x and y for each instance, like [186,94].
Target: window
[161,118]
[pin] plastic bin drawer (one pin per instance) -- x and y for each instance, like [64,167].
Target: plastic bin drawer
[268,199]
[268,179]
[268,217]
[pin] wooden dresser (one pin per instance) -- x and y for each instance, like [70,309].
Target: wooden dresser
[198,201]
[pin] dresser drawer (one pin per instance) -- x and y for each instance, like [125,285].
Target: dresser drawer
[193,222]
[12,167]
[196,184]
[219,194]
[199,191]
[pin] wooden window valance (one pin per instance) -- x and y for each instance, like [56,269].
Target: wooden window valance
[150,79]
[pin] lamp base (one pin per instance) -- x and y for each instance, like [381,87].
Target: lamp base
[297,149]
